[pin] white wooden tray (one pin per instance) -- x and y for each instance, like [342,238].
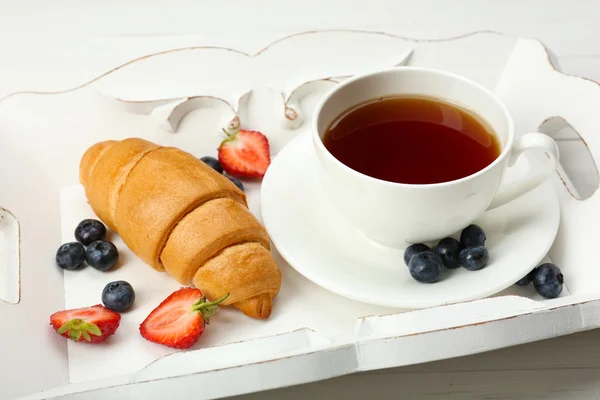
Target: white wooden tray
[184,97]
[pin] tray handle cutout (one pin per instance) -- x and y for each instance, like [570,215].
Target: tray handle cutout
[537,93]
[168,113]
[10,262]
[577,168]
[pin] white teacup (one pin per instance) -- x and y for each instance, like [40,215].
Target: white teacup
[395,214]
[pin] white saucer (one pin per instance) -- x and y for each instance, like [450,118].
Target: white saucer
[315,240]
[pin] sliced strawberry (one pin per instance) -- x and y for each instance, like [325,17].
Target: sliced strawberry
[245,154]
[180,319]
[91,324]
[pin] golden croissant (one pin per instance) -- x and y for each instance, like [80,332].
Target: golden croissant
[179,215]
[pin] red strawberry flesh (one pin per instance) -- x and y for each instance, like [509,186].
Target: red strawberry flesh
[173,323]
[245,154]
[91,324]
[179,320]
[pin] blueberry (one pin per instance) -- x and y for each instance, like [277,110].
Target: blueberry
[473,258]
[527,279]
[102,255]
[548,280]
[448,250]
[213,163]
[118,296]
[425,267]
[90,230]
[472,236]
[70,255]
[236,182]
[414,249]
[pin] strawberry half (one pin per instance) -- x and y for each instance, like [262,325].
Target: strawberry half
[180,319]
[245,154]
[93,324]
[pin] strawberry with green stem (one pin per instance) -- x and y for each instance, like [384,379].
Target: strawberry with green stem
[90,324]
[180,319]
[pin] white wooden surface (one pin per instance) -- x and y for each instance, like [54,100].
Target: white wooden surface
[557,369]
[47,44]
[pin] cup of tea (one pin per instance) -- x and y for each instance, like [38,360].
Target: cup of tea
[412,154]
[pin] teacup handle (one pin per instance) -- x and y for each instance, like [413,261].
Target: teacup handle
[529,141]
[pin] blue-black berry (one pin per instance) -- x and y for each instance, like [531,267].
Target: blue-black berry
[102,255]
[472,236]
[213,163]
[425,267]
[90,230]
[448,250]
[118,296]
[414,249]
[548,280]
[70,255]
[527,279]
[474,258]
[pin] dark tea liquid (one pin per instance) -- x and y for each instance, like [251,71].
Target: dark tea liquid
[411,140]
